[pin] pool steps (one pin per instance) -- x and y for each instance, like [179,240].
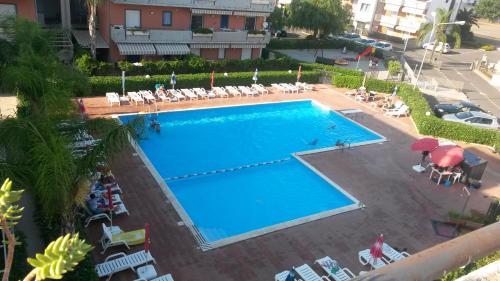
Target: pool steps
[220,171]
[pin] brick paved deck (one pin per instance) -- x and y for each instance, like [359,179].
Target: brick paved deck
[400,203]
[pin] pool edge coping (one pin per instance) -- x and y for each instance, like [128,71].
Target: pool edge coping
[205,245]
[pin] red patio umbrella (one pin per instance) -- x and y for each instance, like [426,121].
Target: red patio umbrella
[147,241]
[376,249]
[447,155]
[425,144]
[212,78]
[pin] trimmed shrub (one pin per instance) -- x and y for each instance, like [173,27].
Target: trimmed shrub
[453,275]
[320,44]
[427,125]
[102,84]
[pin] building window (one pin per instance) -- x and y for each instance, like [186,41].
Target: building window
[224,21]
[250,23]
[7,10]
[132,19]
[196,22]
[364,7]
[167,18]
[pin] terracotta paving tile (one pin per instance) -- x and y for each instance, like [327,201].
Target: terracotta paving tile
[399,203]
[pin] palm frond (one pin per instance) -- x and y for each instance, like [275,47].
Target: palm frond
[424,32]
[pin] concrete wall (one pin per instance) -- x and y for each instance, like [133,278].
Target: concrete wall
[24,8]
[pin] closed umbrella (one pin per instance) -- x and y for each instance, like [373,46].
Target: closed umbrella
[299,73]
[147,240]
[173,80]
[255,76]
[110,204]
[376,249]
[212,78]
[447,155]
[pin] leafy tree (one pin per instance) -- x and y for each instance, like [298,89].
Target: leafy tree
[277,18]
[322,17]
[92,6]
[470,18]
[440,29]
[488,9]
[394,67]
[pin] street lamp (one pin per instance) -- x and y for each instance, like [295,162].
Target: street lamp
[430,39]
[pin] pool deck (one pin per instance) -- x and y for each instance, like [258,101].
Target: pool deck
[399,202]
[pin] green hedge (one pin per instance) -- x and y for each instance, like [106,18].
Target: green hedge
[450,276]
[427,125]
[102,84]
[284,44]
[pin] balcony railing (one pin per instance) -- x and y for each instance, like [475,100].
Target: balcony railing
[410,25]
[394,2]
[389,21]
[244,5]
[120,35]
[414,7]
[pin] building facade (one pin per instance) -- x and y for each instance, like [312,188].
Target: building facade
[397,18]
[20,8]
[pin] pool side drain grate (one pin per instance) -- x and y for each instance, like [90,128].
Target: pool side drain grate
[220,171]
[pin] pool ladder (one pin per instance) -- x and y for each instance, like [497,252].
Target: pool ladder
[228,169]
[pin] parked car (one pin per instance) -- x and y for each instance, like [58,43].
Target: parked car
[474,118]
[439,47]
[350,36]
[279,33]
[448,108]
[383,45]
[368,42]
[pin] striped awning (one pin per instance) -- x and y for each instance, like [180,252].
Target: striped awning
[209,46]
[136,49]
[172,49]
[210,12]
[247,46]
[251,14]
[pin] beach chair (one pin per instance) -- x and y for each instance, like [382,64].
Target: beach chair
[247,91]
[115,236]
[282,276]
[306,273]
[291,88]
[304,86]
[392,254]
[365,258]
[147,96]
[221,92]
[189,94]
[260,88]
[342,274]
[113,98]
[211,94]
[166,277]
[352,92]
[201,93]
[280,88]
[177,95]
[121,261]
[162,96]
[233,91]
[403,110]
[135,97]
[397,105]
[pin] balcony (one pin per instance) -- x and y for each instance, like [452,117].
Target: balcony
[409,25]
[414,7]
[389,21]
[394,2]
[266,6]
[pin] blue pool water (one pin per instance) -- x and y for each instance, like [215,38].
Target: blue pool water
[226,204]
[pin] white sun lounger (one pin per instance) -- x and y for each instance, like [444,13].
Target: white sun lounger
[113,98]
[282,276]
[135,97]
[280,88]
[247,91]
[233,91]
[342,274]
[166,277]
[201,93]
[392,254]
[189,94]
[118,210]
[177,95]
[121,261]
[397,105]
[366,259]
[260,88]
[147,96]
[161,95]
[221,92]
[290,87]
[403,110]
[304,86]
[306,273]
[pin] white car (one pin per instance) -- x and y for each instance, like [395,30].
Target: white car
[474,118]
[439,47]
[383,45]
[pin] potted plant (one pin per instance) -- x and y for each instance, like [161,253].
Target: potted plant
[202,32]
[256,33]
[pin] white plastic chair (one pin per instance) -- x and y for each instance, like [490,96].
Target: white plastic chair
[121,261]
[342,274]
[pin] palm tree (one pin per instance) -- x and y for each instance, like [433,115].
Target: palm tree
[470,18]
[440,29]
[92,22]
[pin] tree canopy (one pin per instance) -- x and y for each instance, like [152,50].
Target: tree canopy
[488,9]
[470,18]
[322,17]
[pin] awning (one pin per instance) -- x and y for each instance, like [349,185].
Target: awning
[83,39]
[208,46]
[136,49]
[251,14]
[247,46]
[172,49]
[210,12]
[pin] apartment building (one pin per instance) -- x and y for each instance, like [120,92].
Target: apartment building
[21,8]
[397,18]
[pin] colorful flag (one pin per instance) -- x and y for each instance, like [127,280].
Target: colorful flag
[364,53]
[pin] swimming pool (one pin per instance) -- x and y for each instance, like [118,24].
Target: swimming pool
[232,172]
